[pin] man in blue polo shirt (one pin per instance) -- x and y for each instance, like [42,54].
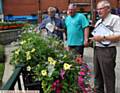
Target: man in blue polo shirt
[76,30]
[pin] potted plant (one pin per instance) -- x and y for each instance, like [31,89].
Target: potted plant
[58,70]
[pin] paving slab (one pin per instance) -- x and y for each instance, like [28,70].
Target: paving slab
[88,58]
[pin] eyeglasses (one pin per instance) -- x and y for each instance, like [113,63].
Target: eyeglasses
[101,8]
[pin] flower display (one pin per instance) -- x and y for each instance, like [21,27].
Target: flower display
[58,70]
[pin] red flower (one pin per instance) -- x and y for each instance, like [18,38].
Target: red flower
[57,86]
[79,60]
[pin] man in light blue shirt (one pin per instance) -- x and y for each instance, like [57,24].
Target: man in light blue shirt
[76,29]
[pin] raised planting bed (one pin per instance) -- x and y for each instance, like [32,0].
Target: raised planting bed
[11,25]
[7,36]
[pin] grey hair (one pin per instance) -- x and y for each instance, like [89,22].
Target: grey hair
[105,3]
[72,5]
[51,9]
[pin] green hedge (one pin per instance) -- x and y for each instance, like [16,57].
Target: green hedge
[2,60]
[2,67]
[2,54]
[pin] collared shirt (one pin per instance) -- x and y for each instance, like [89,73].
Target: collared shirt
[55,21]
[113,23]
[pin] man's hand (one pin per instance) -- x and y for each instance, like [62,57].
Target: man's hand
[59,29]
[56,28]
[98,38]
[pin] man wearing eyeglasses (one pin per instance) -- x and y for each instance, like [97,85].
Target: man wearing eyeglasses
[105,52]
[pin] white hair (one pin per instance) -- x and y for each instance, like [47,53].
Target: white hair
[72,6]
[50,9]
[104,3]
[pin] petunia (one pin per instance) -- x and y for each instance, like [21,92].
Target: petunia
[65,56]
[50,59]
[79,60]
[53,62]
[82,73]
[66,66]
[28,56]
[17,51]
[44,73]
[28,68]
[33,50]
[62,73]
[22,42]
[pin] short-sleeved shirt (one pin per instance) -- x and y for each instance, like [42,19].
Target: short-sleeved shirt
[113,23]
[57,22]
[75,29]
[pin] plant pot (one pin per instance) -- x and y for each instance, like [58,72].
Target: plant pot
[29,83]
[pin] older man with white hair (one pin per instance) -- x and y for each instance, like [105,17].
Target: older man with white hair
[54,26]
[105,49]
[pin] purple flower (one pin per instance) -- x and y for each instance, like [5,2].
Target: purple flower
[62,73]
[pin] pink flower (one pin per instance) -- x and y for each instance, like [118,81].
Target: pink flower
[81,84]
[57,86]
[82,73]
[54,86]
[62,73]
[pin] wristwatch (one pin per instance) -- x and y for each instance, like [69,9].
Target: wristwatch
[104,37]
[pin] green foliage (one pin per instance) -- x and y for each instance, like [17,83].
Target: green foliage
[2,59]
[2,67]
[11,25]
[2,53]
[46,58]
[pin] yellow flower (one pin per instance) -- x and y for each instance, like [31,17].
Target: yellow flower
[22,42]
[28,68]
[16,61]
[65,56]
[53,62]
[29,39]
[33,50]
[66,66]
[50,59]
[17,51]
[28,57]
[44,73]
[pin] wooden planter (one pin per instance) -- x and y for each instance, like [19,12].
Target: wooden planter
[7,36]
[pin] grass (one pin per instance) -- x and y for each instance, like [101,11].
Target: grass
[2,64]
[2,54]
[2,67]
